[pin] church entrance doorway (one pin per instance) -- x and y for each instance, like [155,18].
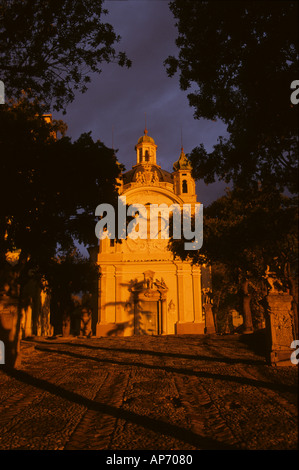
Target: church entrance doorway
[149,305]
[148,317]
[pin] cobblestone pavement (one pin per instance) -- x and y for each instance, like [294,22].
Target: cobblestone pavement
[147,393]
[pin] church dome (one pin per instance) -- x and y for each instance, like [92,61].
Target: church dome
[182,163]
[145,138]
[131,176]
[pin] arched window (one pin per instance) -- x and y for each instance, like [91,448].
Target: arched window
[147,157]
[185,186]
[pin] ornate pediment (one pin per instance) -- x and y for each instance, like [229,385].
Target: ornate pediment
[149,288]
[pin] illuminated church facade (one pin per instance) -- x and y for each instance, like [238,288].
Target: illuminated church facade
[143,288]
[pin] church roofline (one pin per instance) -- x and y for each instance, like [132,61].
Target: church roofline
[161,190]
[165,176]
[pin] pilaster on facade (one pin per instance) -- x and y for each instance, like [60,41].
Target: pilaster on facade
[107,294]
[197,300]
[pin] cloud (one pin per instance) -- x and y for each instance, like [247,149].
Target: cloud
[118,98]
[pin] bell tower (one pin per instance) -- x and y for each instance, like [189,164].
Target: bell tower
[184,184]
[146,150]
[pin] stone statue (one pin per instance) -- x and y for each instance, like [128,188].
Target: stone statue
[206,295]
[139,177]
[85,323]
[155,177]
[275,286]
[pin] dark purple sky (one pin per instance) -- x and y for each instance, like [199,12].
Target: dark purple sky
[118,98]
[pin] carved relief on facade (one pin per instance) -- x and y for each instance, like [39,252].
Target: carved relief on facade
[147,177]
[145,246]
[149,287]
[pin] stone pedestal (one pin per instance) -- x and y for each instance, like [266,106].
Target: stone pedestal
[209,319]
[190,328]
[27,321]
[45,314]
[10,331]
[247,325]
[279,328]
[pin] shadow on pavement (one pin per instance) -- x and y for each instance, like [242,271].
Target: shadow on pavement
[196,357]
[256,342]
[176,370]
[146,422]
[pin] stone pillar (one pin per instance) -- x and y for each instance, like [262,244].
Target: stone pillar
[209,319]
[101,302]
[119,305]
[279,328]
[187,322]
[27,313]
[66,324]
[10,330]
[181,300]
[163,307]
[197,304]
[106,313]
[46,327]
[248,326]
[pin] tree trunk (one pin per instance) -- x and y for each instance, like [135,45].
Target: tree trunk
[248,327]
[66,324]
[10,318]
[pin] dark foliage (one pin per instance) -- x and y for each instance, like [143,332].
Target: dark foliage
[239,58]
[49,188]
[51,48]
